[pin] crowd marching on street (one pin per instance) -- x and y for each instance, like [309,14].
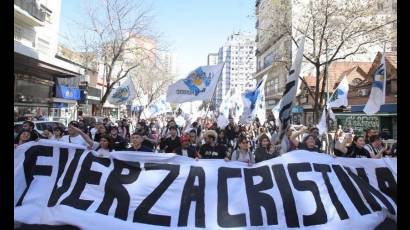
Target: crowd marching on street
[204,139]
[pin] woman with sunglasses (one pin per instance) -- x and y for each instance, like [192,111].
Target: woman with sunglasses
[243,154]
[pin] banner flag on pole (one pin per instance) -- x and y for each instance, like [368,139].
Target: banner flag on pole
[339,97]
[157,108]
[124,93]
[322,126]
[200,84]
[260,106]
[249,99]
[378,94]
[290,90]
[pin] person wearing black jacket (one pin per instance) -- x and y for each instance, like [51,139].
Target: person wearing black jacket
[186,149]
[231,130]
[170,144]
[265,150]
[28,125]
[119,142]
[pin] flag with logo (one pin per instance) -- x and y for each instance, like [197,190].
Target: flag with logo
[378,93]
[290,91]
[339,97]
[200,85]
[161,106]
[122,94]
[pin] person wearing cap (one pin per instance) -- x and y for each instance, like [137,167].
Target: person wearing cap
[170,144]
[76,135]
[186,149]
[211,149]
[119,142]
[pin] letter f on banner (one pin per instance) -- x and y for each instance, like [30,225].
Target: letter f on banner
[290,90]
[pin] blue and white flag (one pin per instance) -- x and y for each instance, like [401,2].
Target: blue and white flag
[260,106]
[339,97]
[251,102]
[226,104]
[157,108]
[200,85]
[378,94]
[124,93]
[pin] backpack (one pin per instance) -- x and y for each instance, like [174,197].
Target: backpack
[238,152]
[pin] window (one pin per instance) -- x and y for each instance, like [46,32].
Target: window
[17,32]
[380,6]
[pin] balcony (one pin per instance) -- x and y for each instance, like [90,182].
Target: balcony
[30,12]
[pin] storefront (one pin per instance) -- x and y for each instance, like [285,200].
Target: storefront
[64,105]
[386,118]
[90,100]
[31,96]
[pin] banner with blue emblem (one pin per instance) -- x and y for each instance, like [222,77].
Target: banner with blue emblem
[199,85]
[378,93]
[124,93]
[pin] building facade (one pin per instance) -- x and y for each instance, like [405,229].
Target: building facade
[274,48]
[45,85]
[238,53]
[212,59]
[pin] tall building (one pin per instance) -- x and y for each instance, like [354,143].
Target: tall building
[44,84]
[212,59]
[238,53]
[274,48]
[168,62]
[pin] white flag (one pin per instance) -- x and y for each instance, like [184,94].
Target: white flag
[200,84]
[378,93]
[124,93]
[290,91]
[157,108]
[339,97]
[275,111]
[226,104]
[322,126]
[222,121]
[237,105]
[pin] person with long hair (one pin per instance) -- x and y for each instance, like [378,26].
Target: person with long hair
[105,146]
[244,153]
[355,150]
[23,136]
[265,149]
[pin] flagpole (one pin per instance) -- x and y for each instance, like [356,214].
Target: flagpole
[327,99]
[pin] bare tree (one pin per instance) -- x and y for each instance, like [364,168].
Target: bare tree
[118,35]
[152,80]
[337,30]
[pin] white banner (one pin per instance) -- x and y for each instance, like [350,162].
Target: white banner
[199,85]
[59,183]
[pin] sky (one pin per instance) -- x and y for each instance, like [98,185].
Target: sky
[191,28]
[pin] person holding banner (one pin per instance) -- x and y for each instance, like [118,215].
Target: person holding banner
[24,136]
[211,149]
[243,154]
[136,143]
[77,136]
[186,149]
[355,150]
[265,149]
[104,147]
[374,148]
[170,144]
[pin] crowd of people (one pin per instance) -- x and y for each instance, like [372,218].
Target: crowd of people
[203,139]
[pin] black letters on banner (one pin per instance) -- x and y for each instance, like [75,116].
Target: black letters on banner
[114,188]
[258,199]
[68,178]
[288,200]
[384,175]
[319,217]
[31,169]
[193,193]
[225,219]
[368,191]
[362,174]
[350,190]
[86,176]
[142,214]
[325,169]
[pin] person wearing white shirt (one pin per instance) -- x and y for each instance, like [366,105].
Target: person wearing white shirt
[76,136]
[104,147]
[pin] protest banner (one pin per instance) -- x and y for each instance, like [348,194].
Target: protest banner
[60,183]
